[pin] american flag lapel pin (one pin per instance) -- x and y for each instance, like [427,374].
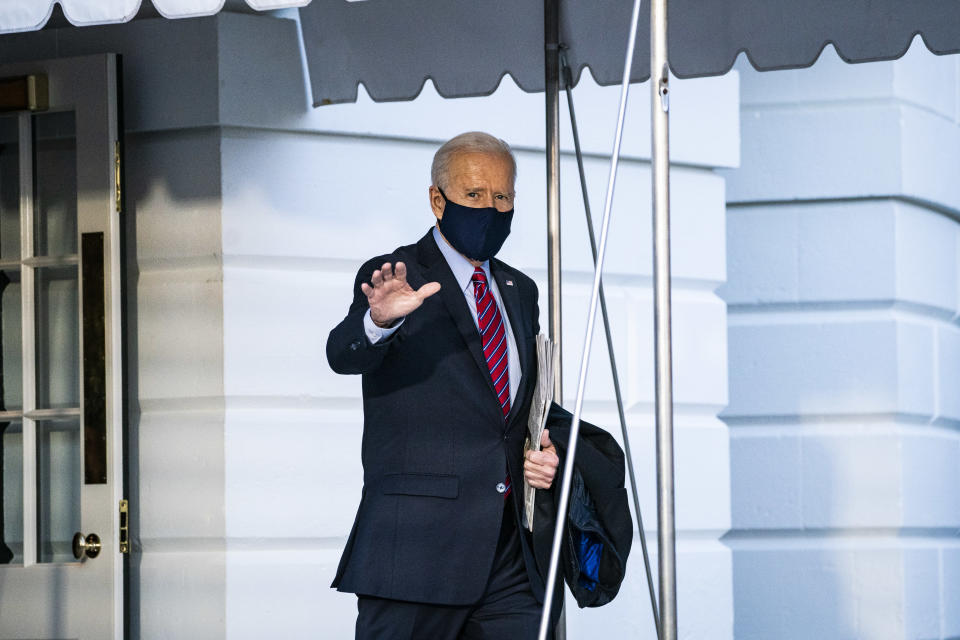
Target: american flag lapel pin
[509,283]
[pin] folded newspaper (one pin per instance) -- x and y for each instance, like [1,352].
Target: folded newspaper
[548,362]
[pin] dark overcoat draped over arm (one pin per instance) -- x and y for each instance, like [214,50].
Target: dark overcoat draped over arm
[599,530]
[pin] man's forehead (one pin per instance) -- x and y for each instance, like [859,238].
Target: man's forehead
[473,165]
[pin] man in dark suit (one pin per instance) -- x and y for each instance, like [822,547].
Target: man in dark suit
[444,336]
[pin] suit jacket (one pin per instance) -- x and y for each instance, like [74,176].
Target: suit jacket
[435,444]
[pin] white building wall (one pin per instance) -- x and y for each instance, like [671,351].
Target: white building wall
[844,256]
[251,213]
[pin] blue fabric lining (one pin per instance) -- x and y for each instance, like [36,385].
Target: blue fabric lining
[589,550]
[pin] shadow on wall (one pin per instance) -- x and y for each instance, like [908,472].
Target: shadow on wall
[808,558]
[786,585]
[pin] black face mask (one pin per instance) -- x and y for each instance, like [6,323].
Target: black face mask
[477,233]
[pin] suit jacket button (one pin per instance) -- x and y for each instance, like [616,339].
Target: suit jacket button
[354,345]
[501,487]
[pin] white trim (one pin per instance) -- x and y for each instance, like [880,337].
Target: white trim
[27,342]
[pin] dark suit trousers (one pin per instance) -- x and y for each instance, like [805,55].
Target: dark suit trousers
[508,609]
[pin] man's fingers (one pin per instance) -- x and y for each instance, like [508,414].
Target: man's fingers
[400,271]
[545,439]
[545,455]
[543,473]
[542,458]
[540,467]
[428,290]
[389,291]
[539,476]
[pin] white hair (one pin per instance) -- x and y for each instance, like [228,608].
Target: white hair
[470,142]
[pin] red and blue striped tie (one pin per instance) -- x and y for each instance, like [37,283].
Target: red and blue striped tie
[493,338]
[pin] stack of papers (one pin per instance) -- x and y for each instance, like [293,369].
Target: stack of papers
[548,363]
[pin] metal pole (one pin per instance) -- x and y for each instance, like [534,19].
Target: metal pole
[551,33]
[569,462]
[660,160]
[551,70]
[567,85]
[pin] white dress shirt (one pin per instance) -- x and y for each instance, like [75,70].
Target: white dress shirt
[463,274]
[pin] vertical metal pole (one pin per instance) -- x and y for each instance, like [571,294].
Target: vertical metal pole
[551,69]
[660,159]
[551,32]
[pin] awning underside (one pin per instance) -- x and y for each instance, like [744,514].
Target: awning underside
[467,46]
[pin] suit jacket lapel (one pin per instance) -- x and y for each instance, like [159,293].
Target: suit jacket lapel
[510,295]
[436,269]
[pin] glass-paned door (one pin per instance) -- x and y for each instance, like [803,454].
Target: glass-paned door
[60,387]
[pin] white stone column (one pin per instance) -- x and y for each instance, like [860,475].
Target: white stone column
[844,340]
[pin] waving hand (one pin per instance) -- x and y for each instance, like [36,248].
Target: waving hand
[390,296]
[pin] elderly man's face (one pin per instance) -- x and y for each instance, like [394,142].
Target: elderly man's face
[476,180]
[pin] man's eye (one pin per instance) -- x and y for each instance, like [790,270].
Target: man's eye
[472,194]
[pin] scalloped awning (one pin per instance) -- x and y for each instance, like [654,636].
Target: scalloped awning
[467,46]
[30,15]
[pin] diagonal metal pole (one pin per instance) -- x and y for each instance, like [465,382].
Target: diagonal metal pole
[588,337]
[660,160]
[568,84]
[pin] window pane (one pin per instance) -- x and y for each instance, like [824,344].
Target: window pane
[55,184]
[57,336]
[9,189]
[11,493]
[58,489]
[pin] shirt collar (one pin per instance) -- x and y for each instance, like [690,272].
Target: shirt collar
[460,266]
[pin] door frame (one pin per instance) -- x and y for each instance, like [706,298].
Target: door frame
[89,86]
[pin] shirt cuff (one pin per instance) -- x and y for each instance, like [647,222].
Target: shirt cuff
[374,333]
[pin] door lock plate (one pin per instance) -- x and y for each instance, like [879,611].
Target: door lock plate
[124,542]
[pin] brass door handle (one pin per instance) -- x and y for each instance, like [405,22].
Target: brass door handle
[88,545]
